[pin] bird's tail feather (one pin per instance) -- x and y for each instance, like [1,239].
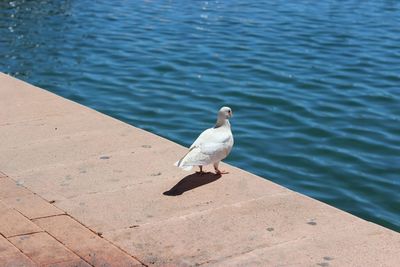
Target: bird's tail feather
[179,163]
[185,168]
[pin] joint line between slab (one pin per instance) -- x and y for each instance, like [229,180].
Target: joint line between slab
[21,251]
[30,233]
[49,216]
[67,248]
[97,233]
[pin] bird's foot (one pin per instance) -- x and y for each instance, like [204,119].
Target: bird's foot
[201,170]
[220,172]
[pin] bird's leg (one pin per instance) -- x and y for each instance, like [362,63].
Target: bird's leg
[201,170]
[217,171]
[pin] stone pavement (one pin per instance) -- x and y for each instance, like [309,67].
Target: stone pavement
[35,232]
[79,188]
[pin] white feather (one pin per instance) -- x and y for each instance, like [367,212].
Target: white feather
[212,145]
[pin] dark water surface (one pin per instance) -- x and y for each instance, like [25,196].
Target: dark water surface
[314,85]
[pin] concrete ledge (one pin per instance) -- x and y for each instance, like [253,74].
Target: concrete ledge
[84,183]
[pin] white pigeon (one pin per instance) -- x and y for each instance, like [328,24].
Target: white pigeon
[212,145]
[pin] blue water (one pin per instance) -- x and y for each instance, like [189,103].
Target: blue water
[314,85]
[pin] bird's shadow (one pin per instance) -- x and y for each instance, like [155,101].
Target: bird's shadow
[191,182]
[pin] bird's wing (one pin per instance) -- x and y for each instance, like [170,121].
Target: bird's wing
[204,154]
[210,136]
[211,146]
[194,158]
[207,134]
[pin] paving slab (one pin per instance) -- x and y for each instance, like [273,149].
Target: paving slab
[119,180]
[82,241]
[52,127]
[10,188]
[32,206]
[14,223]
[66,149]
[73,263]
[263,222]
[326,249]
[43,249]
[25,102]
[145,202]
[98,173]
[10,256]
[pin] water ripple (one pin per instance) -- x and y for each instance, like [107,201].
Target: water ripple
[314,85]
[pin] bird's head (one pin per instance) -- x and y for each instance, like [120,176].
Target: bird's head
[225,112]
